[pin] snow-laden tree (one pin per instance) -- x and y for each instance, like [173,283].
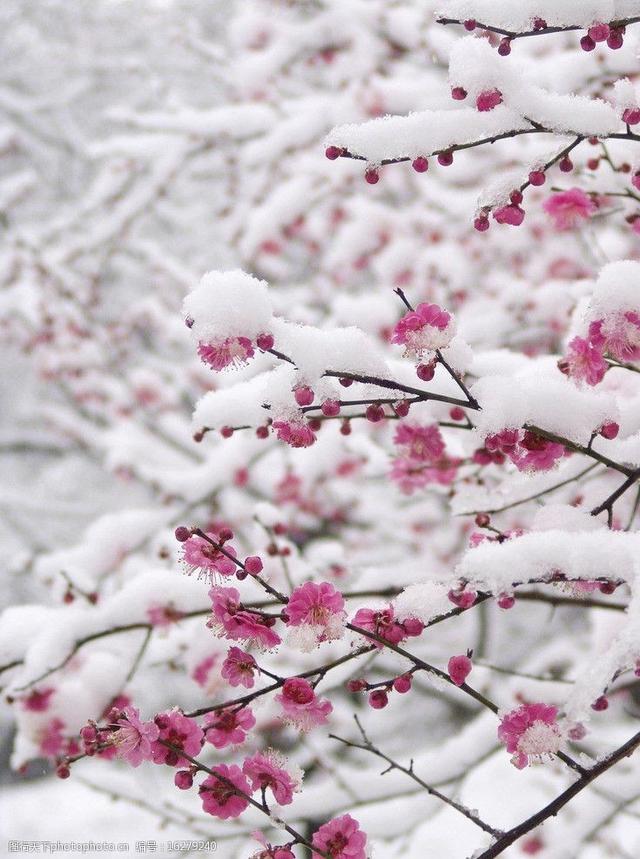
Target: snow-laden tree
[350,559]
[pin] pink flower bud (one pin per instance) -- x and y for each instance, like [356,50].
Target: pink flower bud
[609,430]
[378,699]
[459,668]
[253,565]
[420,164]
[402,684]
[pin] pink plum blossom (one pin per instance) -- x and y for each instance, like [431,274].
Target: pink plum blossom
[510,214]
[567,208]
[225,797]
[300,705]
[180,731]
[202,670]
[317,609]
[423,443]
[238,624]
[618,335]
[228,727]
[340,838]
[37,701]
[428,327]
[530,732]
[584,362]
[199,554]
[239,667]
[52,738]
[412,474]
[294,433]
[133,737]
[268,771]
[488,99]
[233,350]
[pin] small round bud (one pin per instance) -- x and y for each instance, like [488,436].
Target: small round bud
[346,383]
[378,699]
[482,520]
[345,428]
[304,396]
[402,684]
[458,93]
[470,25]
[225,535]
[265,342]
[426,372]
[566,164]
[608,588]
[357,685]
[615,40]
[504,48]
[599,32]
[539,24]
[457,414]
[63,771]
[587,43]
[413,627]
[68,597]
[537,177]
[330,408]
[183,780]
[516,197]
[262,432]
[445,159]
[182,534]
[609,430]
[333,152]
[600,704]
[371,175]
[420,164]
[198,436]
[374,413]
[506,601]
[593,163]
[226,432]
[481,223]
[402,408]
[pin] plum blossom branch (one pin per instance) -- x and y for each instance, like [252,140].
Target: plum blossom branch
[409,771]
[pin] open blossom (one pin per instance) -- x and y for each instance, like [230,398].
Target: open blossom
[237,623]
[317,609]
[228,727]
[233,350]
[133,737]
[300,705]
[412,474]
[527,450]
[584,362]
[340,838]
[268,771]
[530,731]
[199,554]
[180,731]
[428,327]
[618,335]
[567,208]
[239,667]
[294,433]
[223,797]
[382,622]
[423,443]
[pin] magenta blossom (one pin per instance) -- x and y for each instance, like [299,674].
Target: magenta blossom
[382,622]
[618,335]
[133,738]
[300,705]
[52,738]
[530,732]
[228,727]
[340,838]
[181,732]
[567,208]
[233,350]
[202,670]
[510,214]
[238,624]
[527,450]
[225,797]
[199,554]
[239,667]
[268,771]
[317,610]
[423,443]
[584,362]
[428,327]
[294,433]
